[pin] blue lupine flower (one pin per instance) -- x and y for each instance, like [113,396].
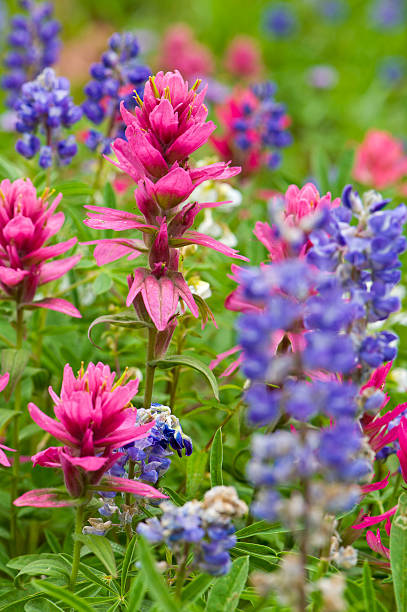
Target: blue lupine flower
[205,527]
[34,45]
[388,14]
[280,20]
[44,109]
[115,79]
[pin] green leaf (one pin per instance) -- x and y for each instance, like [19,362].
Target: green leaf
[254,529]
[368,589]
[216,459]
[196,466]
[158,590]
[136,594]
[177,499]
[18,563]
[96,577]
[10,170]
[225,593]
[54,567]
[102,283]
[255,549]
[191,362]
[320,169]
[73,189]
[41,605]
[345,166]
[13,361]
[398,553]
[6,416]
[102,549]
[121,319]
[62,594]
[52,541]
[197,587]
[109,196]
[128,558]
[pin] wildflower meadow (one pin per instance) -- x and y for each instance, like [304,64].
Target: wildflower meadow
[203,346]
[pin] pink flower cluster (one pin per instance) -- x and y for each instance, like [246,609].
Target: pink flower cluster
[180,51]
[94,417]
[243,57]
[380,160]
[165,130]
[298,203]
[27,222]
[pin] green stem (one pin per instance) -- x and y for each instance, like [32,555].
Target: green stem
[150,370]
[108,134]
[181,574]
[15,475]
[148,394]
[77,545]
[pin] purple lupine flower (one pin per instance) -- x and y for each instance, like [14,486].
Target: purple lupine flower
[44,110]
[116,78]
[388,14]
[205,527]
[280,20]
[34,45]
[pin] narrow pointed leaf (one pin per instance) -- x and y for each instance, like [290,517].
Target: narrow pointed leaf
[128,558]
[121,319]
[191,362]
[197,587]
[368,589]
[225,593]
[136,594]
[157,588]
[62,594]
[196,466]
[216,459]
[398,553]
[14,362]
[102,549]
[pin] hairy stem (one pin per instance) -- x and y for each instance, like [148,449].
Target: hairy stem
[15,475]
[148,394]
[77,545]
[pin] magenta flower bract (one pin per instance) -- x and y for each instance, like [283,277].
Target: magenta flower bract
[3,458]
[169,125]
[94,417]
[27,222]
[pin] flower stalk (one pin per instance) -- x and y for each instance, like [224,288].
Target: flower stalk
[77,545]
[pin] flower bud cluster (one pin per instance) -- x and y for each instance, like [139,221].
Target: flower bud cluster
[204,527]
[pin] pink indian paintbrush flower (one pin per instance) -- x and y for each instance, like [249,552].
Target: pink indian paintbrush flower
[169,125]
[298,204]
[380,160]
[94,417]
[180,50]
[3,457]
[27,222]
[243,57]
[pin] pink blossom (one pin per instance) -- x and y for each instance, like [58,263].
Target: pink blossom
[169,125]
[299,203]
[27,222]
[380,160]
[243,57]
[94,417]
[375,543]
[181,51]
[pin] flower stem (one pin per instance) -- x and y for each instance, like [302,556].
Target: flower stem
[148,394]
[150,370]
[16,435]
[77,545]
[181,574]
